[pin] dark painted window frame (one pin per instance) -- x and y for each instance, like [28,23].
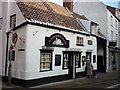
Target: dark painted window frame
[78,44]
[46,51]
[14,15]
[63,61]
[79,64]
[1,22]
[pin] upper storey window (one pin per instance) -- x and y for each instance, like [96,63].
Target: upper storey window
[13,21]
[80,41]
[1,20]
[111,21]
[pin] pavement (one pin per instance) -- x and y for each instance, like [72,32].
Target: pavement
[75,83]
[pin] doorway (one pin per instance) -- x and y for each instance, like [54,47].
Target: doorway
[73,62]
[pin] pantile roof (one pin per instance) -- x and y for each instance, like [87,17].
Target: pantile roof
[79,16]
[48,12]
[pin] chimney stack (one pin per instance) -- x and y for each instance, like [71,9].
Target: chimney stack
[68,4]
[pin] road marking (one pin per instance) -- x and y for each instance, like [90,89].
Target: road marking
[113,86]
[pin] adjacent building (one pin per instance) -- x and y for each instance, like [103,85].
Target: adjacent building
[108,19]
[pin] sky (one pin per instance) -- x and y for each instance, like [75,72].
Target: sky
[114,3]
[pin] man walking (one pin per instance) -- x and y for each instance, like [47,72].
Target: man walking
[89,69]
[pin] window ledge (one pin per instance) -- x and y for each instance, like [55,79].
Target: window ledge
[45,70]
[79,44]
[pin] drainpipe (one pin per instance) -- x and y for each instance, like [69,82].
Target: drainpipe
[6,61]
[7,33]
[7,44]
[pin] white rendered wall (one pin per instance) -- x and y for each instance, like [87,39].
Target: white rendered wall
[112,27]
[35,43]
[94,11]
[0,40]
[7,10]
[19,65]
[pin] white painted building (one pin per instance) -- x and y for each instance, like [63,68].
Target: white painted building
[44,48]
[0,35]
[108,22]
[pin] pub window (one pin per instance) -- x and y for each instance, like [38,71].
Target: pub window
[57,60]
[1,20]
[65,60]
[88,56]
[79,41]
[89,42]
[13,21]
[45,60]
[78,60]
[94,58]
[83,60]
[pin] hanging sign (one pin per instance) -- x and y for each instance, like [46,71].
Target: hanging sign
[14,38]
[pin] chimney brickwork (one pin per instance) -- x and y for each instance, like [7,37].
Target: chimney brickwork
[68,4]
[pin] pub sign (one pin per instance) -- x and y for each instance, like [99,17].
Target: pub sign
[57,40]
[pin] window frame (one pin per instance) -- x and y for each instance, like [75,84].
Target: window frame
[116,24]
[46,51]
[66,60]
[90,58]
[94,58]
[1,22]
[79,61]
[79,42]
[12,21]
[58,63]
[112,21]
[90,42]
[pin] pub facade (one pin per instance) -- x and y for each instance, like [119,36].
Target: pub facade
[48,48]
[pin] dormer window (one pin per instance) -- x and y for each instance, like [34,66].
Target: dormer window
[1,20]
[94,28]
[13,21]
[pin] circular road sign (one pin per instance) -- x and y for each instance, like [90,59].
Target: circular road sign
[14,38]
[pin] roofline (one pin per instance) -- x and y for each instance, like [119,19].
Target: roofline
[109,10]
[99,37]
[47,26]
[114,15]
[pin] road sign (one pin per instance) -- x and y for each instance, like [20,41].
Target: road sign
[14,38]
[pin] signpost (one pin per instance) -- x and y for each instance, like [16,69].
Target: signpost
[10,65]
[11,56]
[14,38]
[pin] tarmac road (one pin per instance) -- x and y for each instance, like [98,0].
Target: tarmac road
[102,84]
[104,80]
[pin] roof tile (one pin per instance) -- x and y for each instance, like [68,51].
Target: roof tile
[48,12]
